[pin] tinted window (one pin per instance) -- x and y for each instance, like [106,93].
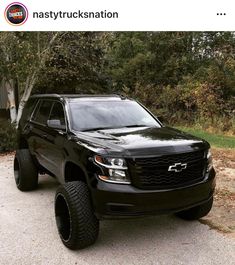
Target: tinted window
[28,110]
[42,112]
[88,115]
[57,113]
[36,110]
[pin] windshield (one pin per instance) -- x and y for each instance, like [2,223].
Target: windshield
[94,115]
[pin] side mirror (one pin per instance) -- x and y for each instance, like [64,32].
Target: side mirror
[56,124]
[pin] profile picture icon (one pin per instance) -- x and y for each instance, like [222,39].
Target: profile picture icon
[16,14]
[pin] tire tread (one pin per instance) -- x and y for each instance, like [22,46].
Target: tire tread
[28,172]
[85,225]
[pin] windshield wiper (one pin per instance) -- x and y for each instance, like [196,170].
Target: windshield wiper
[136,125]
[98,129]
[107,128]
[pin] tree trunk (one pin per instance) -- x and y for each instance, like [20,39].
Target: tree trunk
[30,81]
[11,100]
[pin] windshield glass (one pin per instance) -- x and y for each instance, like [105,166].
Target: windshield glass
[94,115]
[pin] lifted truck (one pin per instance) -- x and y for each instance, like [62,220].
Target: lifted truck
[114,159]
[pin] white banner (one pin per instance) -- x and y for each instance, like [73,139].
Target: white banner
[110,15]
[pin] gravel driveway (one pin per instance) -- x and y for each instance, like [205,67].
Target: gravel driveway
[28,234]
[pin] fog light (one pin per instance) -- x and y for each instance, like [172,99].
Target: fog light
[116,176]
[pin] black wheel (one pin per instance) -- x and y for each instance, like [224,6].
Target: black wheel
[196,212]
[25,171]
[77,225]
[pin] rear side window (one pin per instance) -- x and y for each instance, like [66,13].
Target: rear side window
[28,109]
[57,113]
[42,112]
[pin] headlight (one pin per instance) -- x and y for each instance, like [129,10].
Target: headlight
[114,169]
[114,163]
[209,161]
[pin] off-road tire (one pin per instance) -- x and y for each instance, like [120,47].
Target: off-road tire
[25,171]
[196,212]
[77,225]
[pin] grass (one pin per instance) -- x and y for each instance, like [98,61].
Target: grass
[215,140]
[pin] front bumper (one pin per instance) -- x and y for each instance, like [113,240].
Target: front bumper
[124,201]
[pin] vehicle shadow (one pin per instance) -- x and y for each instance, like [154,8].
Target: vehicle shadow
[140,229]
[47,183]
[135,237]
[142,240]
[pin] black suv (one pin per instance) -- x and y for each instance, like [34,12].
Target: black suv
[114,159]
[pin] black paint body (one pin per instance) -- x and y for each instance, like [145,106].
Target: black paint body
[54,149]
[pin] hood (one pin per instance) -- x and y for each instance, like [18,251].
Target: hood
[142,141]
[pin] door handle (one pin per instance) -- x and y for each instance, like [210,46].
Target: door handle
[44,136]
[61,132]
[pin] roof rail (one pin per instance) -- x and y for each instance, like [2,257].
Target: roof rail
[46,95]
[122,96]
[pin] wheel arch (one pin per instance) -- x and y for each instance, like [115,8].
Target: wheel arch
[22,143]
[74,172]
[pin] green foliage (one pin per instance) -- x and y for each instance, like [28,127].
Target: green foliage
[73,65]
[20,54]
[166,58]
[189,103]
[73,60]
[8,137]
[208,100]
[159,58]
[183,77]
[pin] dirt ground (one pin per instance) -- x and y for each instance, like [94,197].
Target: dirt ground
[222,215]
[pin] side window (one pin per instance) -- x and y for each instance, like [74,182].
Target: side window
[27,111]
[36,110]
[42,112]
[57,113]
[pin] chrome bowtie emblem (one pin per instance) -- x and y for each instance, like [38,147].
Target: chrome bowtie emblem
[177,167]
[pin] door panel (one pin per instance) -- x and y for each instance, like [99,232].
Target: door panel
[56,140]
[48,143]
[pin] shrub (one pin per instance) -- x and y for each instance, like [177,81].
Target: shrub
[190,103]
[209,101]
[8,137]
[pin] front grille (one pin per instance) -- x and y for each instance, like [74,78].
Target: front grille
[152,173]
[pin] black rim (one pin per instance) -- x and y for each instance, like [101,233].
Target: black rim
[63,220]
[17,171]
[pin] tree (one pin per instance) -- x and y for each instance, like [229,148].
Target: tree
[74,65]
[149,65]
[167,58]
[23,55]
[156,58]
[69,62]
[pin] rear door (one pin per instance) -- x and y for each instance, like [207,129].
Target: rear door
[39,130]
